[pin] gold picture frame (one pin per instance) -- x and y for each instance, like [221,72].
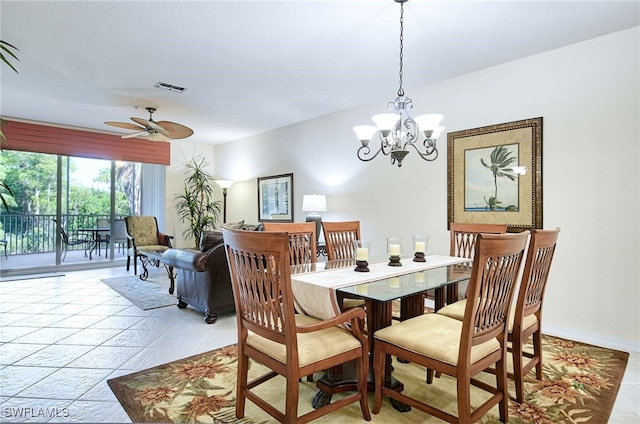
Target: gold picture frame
[275,198]
[483,185]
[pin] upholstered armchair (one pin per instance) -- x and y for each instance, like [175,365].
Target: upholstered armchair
[143,235]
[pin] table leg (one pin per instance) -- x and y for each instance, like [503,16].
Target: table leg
[171,278]
[145,272]
[344,378]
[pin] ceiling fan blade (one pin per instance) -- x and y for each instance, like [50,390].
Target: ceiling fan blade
[156,136]
[145,123]
[135,134]
[125,125]
[175,130]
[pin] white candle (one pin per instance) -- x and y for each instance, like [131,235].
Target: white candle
[394,249]
[362,254]
[419,246]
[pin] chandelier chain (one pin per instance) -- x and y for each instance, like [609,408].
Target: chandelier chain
[400,89]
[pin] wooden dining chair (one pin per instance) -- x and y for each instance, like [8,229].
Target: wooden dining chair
[461,349]
[525,318]
[339,238]
[462,244]
[271,333]
[302,240]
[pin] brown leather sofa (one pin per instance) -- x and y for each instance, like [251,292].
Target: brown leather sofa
[203,279]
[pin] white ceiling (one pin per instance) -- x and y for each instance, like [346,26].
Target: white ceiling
[252,66]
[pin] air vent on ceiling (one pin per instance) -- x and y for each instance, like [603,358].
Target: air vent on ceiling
[170,87]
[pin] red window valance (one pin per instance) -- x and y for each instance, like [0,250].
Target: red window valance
[40,138]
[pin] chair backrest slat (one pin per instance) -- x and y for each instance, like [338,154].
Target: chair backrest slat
[542,248]
[261,281]
[339,238]
[492,285]
[463,237]
[302,240]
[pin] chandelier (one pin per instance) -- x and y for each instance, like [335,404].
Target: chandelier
[398,130]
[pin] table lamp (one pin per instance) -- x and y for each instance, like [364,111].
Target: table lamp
[314,203]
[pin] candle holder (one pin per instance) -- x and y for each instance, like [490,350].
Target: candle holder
[394,248]
[361,251]
[420,247]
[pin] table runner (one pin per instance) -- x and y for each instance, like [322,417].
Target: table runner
[315,292]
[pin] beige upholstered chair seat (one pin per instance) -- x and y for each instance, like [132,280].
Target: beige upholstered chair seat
[456,311]
[150,248]
[312,347]
[436,336]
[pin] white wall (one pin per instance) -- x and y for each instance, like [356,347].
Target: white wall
[588,95]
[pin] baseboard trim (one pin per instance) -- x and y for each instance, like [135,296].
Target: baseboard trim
[591,338]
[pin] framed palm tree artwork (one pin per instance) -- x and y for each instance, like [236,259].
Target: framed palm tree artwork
[495,175]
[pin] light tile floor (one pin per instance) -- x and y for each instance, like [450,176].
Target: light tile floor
[62,338]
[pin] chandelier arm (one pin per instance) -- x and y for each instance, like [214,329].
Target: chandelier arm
[427,154]
[367,151]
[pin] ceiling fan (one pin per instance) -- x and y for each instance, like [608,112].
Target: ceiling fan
[156,131]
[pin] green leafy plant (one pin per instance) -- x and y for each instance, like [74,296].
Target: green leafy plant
[5,49]
[196,205]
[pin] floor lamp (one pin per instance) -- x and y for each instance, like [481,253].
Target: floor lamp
[314,203]
[224,184]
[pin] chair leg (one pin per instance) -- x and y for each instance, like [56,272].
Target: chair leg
[243,370]
[501,384]
[128,262]
[378,371]
[464,399]
[363,375]
[291,403]
[518,366]
[537,351]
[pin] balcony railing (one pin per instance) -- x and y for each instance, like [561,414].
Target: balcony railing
[26,234]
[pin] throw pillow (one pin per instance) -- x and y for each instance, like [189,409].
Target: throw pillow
[233,225]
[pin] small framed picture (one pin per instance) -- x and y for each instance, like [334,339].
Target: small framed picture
[275,198]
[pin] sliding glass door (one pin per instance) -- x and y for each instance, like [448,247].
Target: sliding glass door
[63,210]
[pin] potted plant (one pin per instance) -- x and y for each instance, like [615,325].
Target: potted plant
[196,205]
[5,48]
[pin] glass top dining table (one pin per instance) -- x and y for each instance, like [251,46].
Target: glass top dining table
[319,287]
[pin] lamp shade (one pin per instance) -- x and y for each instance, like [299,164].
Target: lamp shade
[224,183]
[314,203]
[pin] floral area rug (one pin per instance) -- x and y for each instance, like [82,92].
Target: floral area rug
[580,385]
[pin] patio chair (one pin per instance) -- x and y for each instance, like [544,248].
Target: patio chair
[143,235]
[103,236]
[66,242]
[119,234]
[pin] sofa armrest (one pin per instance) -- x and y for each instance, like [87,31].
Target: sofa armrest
[192,260]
